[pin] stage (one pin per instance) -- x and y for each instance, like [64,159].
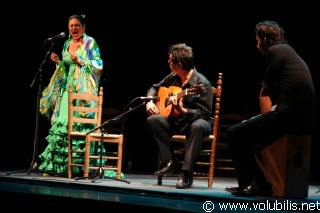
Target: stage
[137,192]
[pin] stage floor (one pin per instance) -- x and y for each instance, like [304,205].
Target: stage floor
[22,191]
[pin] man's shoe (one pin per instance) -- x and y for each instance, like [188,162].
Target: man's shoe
[170,167]
[233,188]
[254,189]
[184,180]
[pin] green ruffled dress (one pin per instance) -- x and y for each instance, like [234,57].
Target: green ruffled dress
[55,156]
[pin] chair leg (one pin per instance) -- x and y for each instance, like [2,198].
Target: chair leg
[191,180]
[159,180]
[210,182]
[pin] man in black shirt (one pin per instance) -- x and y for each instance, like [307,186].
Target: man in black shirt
[287,85]
[188,115]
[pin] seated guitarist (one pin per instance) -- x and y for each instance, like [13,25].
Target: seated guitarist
[190,110]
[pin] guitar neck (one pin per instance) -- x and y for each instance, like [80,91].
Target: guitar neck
[182,93]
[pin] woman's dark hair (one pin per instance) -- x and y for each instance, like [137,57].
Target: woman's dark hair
[272,31]
[81,18]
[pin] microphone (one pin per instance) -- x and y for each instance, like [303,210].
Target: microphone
[149,98]
[61,35]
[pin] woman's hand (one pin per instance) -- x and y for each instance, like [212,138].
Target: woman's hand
[74,58]
[55,58]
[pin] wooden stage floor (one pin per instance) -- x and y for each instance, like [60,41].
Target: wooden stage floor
[137,192]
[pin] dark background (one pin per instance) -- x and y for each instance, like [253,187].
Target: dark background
[133,39]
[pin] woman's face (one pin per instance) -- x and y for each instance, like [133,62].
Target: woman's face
[76,29]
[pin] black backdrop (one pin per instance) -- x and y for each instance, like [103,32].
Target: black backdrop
[133,39]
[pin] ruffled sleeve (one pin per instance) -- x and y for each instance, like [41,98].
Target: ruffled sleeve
[51,95]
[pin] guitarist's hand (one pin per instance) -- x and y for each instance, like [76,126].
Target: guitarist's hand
[178,104]
[152,108]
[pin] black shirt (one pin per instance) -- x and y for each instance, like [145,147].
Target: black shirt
[288,77]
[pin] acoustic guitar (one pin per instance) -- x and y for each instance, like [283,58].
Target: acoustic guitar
[164,94]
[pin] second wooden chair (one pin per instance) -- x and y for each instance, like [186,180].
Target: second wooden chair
[86,109]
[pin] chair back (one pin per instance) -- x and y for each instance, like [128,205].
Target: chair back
[83,108]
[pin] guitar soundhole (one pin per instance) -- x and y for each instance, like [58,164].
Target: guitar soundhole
[167,101]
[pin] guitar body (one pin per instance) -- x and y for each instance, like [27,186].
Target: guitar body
[164,93]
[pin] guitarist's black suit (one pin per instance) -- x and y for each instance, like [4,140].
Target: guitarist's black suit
[195,123]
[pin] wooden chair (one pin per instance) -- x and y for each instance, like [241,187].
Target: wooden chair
[85,158]
[116,125]
[223,162]
[204,167]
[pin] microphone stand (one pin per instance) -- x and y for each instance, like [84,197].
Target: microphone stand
[34,164]
[100,172]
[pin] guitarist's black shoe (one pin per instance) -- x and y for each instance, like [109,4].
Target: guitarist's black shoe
[255,189]
[169,168]
[185,180]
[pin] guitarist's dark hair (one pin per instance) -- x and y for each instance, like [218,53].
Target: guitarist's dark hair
[272,31]
[183,54]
